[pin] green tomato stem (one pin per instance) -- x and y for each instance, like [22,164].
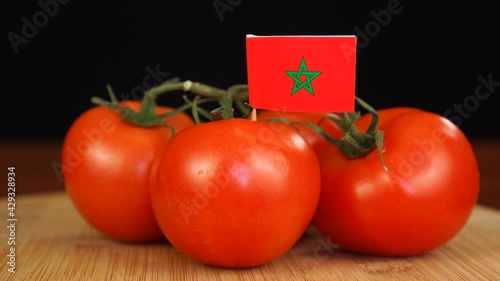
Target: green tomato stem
[353,144]
[146,117]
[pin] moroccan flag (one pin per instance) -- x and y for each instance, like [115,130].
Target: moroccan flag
[301,73]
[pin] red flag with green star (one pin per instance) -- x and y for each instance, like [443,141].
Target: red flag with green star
[301,73]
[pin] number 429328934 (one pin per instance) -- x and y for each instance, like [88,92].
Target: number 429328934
[11,191]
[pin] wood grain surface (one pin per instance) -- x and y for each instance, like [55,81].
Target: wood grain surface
[54,243]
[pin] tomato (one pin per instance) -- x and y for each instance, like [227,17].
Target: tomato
[106,164]
[315,118]
[235,192]
[385,115]
[418,205]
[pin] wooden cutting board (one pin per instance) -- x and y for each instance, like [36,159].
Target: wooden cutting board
[54,243]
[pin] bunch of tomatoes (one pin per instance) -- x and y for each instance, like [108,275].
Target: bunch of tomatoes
[240,192]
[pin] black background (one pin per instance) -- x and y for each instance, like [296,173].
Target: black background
[428,56]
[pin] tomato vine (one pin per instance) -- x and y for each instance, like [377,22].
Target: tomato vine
[353,144]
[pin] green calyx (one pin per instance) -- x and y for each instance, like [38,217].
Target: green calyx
[355,144]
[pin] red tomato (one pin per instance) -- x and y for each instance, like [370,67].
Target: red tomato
[106,164]
[419,204]
[385,115]
[316,118]
[235,193]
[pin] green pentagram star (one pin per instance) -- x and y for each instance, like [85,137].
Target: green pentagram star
[309,75]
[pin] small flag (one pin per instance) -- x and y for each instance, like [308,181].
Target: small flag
[302,73]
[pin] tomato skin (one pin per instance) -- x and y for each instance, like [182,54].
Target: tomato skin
[316,118]
[385,115]
[421,203]
[235,193]
[106,166]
